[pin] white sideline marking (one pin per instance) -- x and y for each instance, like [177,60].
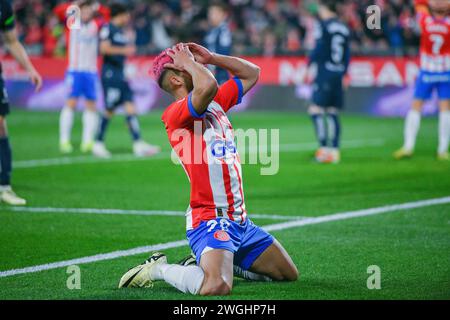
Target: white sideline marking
[272,227]
[306,146]
[132,212]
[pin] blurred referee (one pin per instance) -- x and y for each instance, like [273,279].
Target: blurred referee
[7,195]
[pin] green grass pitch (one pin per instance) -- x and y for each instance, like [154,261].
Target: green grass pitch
[411,247]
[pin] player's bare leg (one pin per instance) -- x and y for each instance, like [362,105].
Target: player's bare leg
[317,115]
[412,125]
[140,147]
[444,130]
[276,263]
[7,195]
[90,122]
[66,124]
[217,266]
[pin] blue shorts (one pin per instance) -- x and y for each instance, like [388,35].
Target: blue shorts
[328,92]
[428,81]
[246,241]
[116,92]
[82,84]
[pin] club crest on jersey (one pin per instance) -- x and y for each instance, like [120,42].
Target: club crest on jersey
[222,235]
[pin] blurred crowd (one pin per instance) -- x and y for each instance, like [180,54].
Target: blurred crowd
[259,27]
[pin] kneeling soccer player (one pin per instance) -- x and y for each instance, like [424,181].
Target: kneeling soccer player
[222,238]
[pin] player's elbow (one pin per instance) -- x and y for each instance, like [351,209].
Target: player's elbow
[256,72]
[209,88]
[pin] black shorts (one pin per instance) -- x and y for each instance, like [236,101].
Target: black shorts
[4,102]
[116,93]
[328,92]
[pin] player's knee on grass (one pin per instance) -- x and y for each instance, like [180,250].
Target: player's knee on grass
[71,103]
[215,286]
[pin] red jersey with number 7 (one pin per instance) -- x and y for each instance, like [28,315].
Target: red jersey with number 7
[434,43]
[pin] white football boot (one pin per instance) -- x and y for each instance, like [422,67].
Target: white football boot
[8,196]
[143,149]
[99,150]
[140,276]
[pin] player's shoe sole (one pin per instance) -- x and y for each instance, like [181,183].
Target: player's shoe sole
[139,276]
[402,154]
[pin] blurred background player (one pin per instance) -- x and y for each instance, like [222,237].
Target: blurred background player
[115,48]
[7,28]
[81,77]
[434,74]
[331,56]
[218,39]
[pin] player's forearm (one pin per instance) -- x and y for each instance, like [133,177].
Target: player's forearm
[205,85]
[18,52]
[243,69]
[113,51]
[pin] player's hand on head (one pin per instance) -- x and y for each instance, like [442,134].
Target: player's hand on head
[201,54]
[180,55]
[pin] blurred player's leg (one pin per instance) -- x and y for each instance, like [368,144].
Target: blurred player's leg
[444,129]
[423,91]
[90,122]
[334,132]
[65,125]
[6,193]
[317,115]
[412,125]
[140,147]
[99,148]
[90,117]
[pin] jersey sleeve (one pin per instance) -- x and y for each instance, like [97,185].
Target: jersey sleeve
[7,22]
[181,114]
[230,94]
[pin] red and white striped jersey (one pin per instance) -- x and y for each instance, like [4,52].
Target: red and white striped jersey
[434,43]
[205,146]
[83,48]
[82,41]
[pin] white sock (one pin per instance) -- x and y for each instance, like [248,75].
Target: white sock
[90,122]
[65,124]
[444,131]
[184,278]
[248,275]
[412,125]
